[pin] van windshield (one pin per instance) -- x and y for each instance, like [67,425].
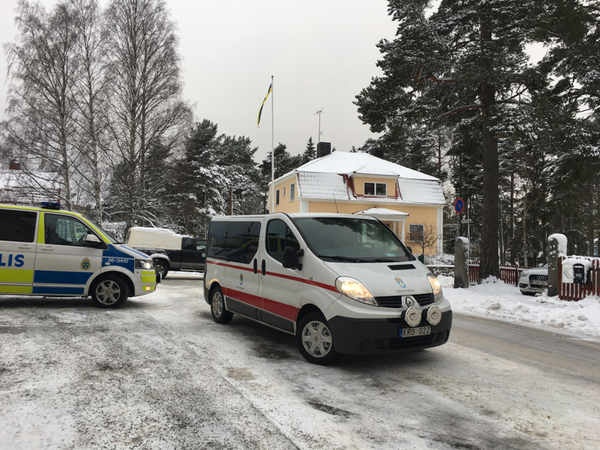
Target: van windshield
[351,240]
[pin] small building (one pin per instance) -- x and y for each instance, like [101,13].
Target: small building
[360,183]
[18,186]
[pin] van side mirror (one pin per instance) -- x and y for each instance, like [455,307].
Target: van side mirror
[91,240]
[291,258]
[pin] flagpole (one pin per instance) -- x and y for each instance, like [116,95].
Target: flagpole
[272,146]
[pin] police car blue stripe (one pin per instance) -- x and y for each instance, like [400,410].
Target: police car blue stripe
[140,254]
[50,290]
[56,277]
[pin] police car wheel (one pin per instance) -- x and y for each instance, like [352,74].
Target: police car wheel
[161,268]
[109,292]
[217,307]
[315,341]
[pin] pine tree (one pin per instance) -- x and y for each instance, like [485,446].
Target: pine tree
[466,64]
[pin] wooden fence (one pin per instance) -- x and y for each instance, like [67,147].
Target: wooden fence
[508,274]
[566,291]
[575,291]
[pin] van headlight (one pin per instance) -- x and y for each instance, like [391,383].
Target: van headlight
[354,289]
[435,286]
[144,264]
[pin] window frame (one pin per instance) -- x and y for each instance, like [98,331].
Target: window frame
[375,189]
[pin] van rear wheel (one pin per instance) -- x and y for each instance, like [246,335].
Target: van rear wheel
[109,291]
[315,341]
[217,307]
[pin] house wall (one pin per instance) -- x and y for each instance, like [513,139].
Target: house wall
[422,215]
[286,205]
[359,185]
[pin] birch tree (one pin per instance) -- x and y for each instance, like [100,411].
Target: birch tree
[42,68]
[145,105]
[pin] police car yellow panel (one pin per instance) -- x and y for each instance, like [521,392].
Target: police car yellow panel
[46,251]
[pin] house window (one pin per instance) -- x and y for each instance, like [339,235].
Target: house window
[277,197]
[292,192]
[284,191]
[415,231]
[376,189]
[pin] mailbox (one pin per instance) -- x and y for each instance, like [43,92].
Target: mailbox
[575,270]
[579,274]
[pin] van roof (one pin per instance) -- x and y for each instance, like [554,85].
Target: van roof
[294,215]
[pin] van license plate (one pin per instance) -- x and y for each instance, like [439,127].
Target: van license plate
[410,332]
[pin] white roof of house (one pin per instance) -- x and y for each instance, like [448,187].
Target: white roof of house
[323,179]
[360,163]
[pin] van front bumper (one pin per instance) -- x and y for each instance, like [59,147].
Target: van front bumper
[372,336]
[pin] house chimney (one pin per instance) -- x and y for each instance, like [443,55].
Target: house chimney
[14,165]
[323,149]
[376,151]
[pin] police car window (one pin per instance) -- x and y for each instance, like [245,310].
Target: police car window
[64,230]
[17,226]
[279,236]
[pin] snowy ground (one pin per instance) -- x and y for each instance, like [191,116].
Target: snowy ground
[504,302]
[159,373]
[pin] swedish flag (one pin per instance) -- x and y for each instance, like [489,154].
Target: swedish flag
[263,104]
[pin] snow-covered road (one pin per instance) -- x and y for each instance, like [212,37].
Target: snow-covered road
[160,374]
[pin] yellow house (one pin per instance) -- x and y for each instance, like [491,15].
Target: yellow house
[360,183]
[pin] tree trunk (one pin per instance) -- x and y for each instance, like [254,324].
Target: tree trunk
[489,240]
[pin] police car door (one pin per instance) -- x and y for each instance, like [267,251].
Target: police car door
[17,250]
[281,288]
[64,264]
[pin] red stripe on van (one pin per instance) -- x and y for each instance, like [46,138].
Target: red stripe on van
[250,299]
[247,269]
[280,275]
[279,309]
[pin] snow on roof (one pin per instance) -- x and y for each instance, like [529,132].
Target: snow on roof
[360,163]
[421,191]
[322,185]
[323,178]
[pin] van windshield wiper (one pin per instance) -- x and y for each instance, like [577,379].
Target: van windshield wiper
[344,258]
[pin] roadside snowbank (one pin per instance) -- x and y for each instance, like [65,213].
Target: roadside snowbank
[501,301]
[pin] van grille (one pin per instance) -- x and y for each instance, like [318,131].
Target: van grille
[395,301]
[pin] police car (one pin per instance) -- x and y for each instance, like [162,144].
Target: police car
[50,252]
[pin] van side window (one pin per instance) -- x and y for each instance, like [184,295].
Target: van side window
[17,226]
[279,236]
[235,241]
[64,230]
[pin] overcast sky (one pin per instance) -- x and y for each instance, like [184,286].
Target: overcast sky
[320,52]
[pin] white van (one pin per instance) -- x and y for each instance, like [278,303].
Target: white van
[49,252]
[342,284]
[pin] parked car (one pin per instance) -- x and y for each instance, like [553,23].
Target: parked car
[169,250]
[534,281]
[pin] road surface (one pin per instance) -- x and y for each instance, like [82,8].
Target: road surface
[160,374]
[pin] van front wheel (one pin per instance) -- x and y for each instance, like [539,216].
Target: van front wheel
[109,291]
[315,341]
[217,307]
